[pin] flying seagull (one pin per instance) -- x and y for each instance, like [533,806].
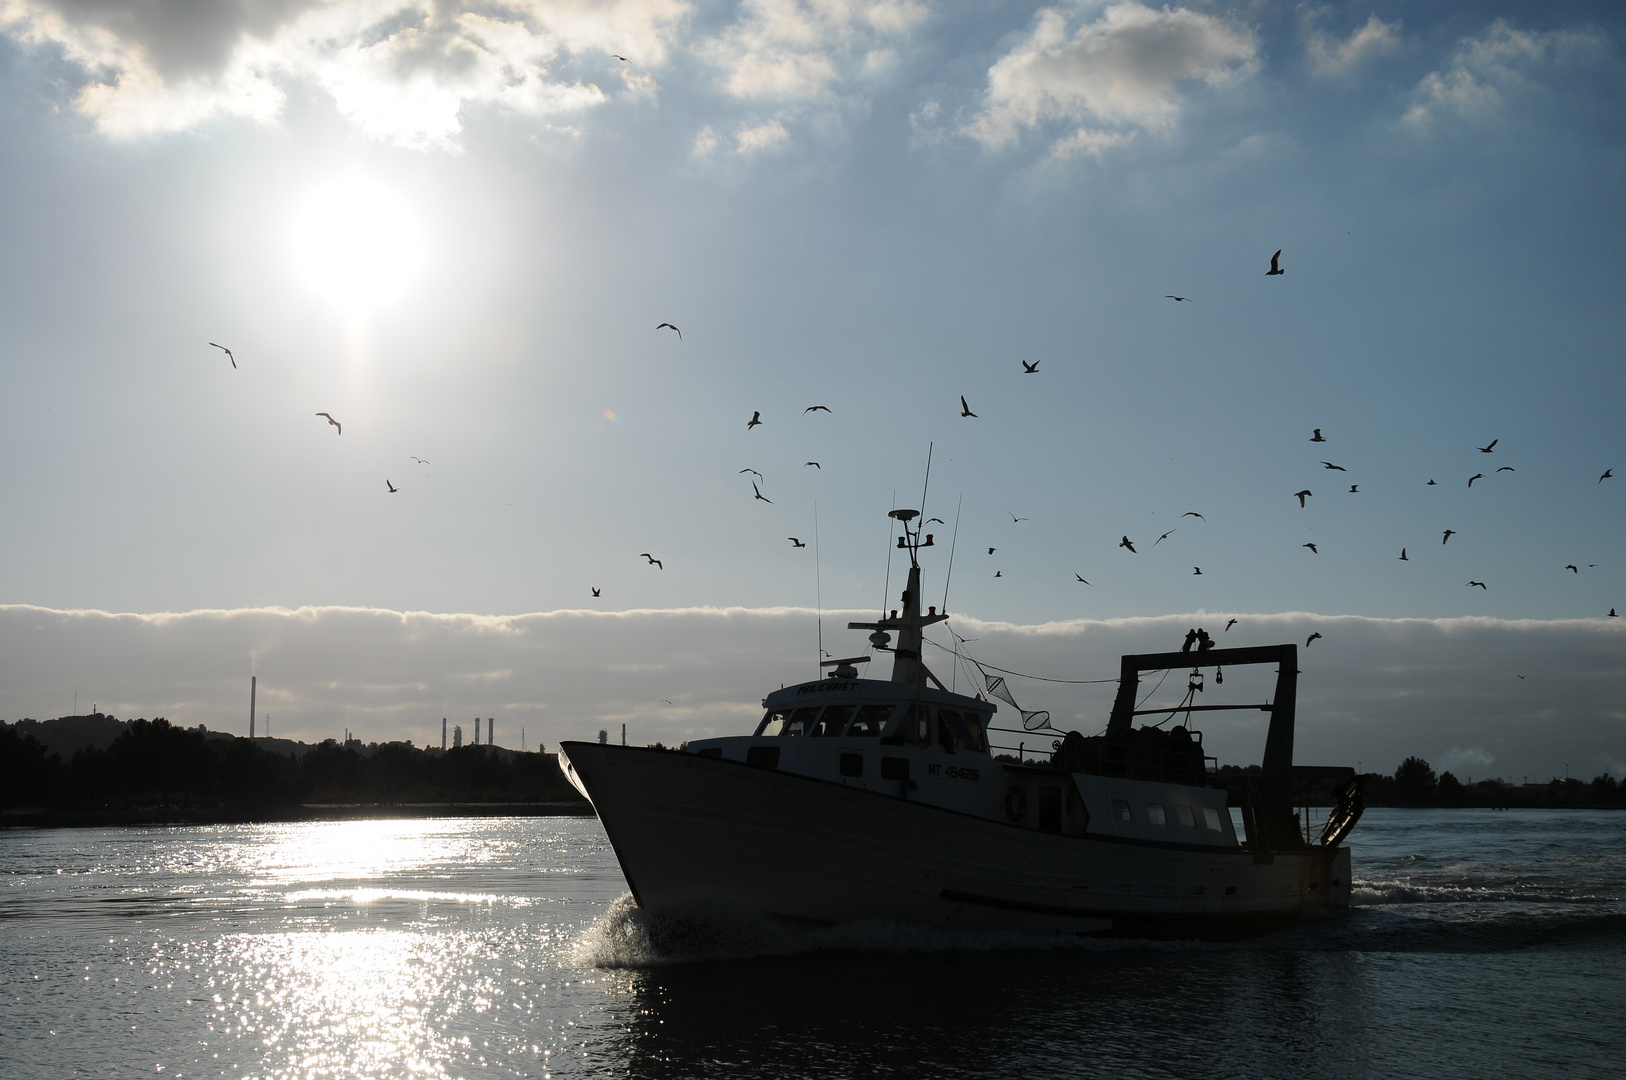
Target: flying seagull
[1354,488]
[1612,614]
[1475,476]
[1507,468]
[1488,449]
[1313,549]
[1317,436]
[1311,638]
[1481,584]
[1015,519]
[420,460]
[1177,299]
[1164,537]
[594,588]
[1196,571]
[760,495]
[1081,578]
[1607,473]
[940,521]
[756,418]
[624,60]
[1193,513]
[1572,568]
[999,573]
[669,326]
[227,351]
[815,408]
[990,551]
[1302,495]
[795,542]
[1449,533]
[965,410]
[815,464]
[1030,369]
[753,472]
[1429,484]
[332,421]
[652,560]
[1124,543]
[392,487]
[1275,264]
[1330,465]
[1230,624]
[1403,555]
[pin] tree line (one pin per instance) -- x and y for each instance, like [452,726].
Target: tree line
[153,763]
[1414,783]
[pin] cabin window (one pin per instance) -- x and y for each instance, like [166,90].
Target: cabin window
[1050,809]
[894,768]
[1154,811]
[869,721]
[965,728]
[800,722]
[1211,819]
[852,764]
[774,722]
[1187,817]
[834,720]
[1120,810]
[913,726]
[975,741]
[762,757]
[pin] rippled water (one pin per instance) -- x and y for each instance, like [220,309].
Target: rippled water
[1484,944]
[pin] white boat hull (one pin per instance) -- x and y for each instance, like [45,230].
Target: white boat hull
[689,829]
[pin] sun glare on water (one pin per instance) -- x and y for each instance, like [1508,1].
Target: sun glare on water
[356,244]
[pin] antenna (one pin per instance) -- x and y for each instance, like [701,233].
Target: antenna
[818,590]
[927,483]
[952,545]
[886,589]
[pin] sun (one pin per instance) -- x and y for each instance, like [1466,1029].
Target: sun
[356,244]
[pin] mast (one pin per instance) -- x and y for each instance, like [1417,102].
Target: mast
[907,664]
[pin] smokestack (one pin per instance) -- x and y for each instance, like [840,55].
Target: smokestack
[476,731]
[443,733]
[491,732]
[253,681]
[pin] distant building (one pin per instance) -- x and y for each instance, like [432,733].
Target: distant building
[457,736]
[603,737]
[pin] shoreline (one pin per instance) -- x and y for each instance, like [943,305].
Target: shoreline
[137,816]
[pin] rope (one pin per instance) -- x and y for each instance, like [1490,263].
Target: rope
[1018,674]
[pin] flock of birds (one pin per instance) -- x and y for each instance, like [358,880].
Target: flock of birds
[1032,368]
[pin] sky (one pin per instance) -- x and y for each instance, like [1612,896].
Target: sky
[455,229]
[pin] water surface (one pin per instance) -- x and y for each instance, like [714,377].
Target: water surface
[1484,943]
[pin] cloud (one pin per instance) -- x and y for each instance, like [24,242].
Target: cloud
[1125,70]
[1371,690]
[1329,56]
[402,71]
[1488,68]
[808,50]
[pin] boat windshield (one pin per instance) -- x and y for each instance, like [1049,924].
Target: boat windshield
[788,721]
[854,721]
[956,730]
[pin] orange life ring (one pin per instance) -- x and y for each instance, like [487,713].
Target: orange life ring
[1016,803]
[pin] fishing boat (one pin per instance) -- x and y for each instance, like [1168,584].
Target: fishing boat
[861,798]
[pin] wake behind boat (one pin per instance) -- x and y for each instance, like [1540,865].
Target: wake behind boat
[867,798]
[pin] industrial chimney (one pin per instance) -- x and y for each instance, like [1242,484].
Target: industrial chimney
[491,730]
[476,731]
[253,680]
[443,733]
